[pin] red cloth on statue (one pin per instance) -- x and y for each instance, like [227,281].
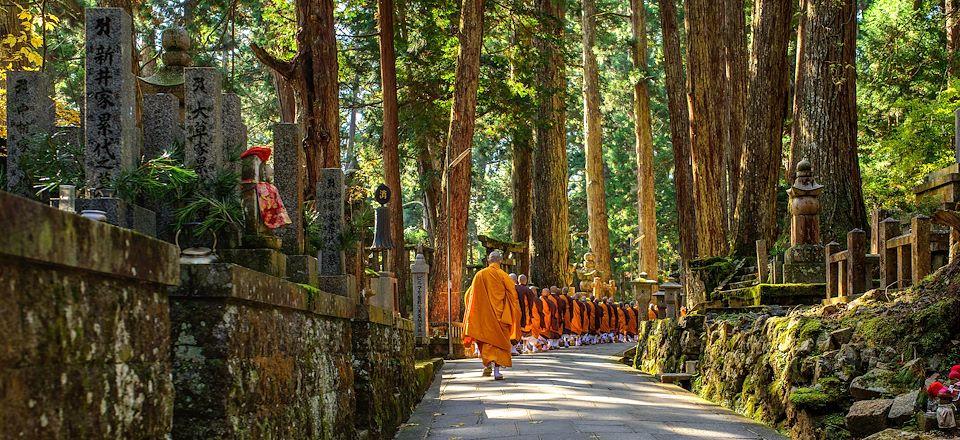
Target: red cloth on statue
[272,212]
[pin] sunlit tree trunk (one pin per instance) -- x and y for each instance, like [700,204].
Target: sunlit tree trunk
[704,90]
[679,128]
[391,144]
[598,232]
[735,90]
[313,75]
[766,110]
[646,196]
[522,148]
[459,141]
[825,112]
[551,244]
[951,9]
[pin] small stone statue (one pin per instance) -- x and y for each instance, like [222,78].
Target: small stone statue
[588,273]
[269,210]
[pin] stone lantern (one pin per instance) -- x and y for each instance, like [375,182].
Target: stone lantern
[803,262]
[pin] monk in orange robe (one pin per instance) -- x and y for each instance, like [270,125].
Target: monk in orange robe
[549,326]
[621,322]
[492,316]
[576,320]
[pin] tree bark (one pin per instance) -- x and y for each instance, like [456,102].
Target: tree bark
[598,232]
[313,74]
[951,9]
[735,89]
[766,110]
[825,112]
[391,146]
[704,91]
[522,149]
[550,250]
[646,196]
[679,129]
[459,142]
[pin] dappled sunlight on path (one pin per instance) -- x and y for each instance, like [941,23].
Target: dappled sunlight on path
[578,393]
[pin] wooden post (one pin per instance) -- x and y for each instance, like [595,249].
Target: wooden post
[832,270]
[920,245]
[904,271]
[889,228]
[856,262]
[762,261]
[876,216]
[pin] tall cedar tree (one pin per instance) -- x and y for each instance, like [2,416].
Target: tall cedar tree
[704,90]
[313,75]
[551,245]
[460,141]
[390,143]
[679,128]
[598,232]
[825,112]
[735,91]
[951,9]
[522,149]
[646,195]
[766,109]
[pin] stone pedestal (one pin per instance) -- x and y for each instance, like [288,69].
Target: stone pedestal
[343,285]
[123,214]
[419,271]
[804,264]
[303,269]
[268,261]
[385,294]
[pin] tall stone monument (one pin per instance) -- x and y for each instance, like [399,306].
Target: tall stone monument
[203,121]
[110,131]
[161,124]
[419,271]
[803,261]
[30,111]
[235,132]
[290,178]
[331,199]
[168,78]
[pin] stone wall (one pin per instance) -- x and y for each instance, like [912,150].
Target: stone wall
[85,325]
[383,372]
[823,372]
[258,357]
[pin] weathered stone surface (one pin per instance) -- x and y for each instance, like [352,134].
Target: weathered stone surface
[903,408]
[894,434]
[30,112]
[267,261]
[303,269]
[234,131]
[330,206]
[290,177]
[161,124]
[111,133]
[868,416]
[871,385]
[840,337]
[383,360]
[85,350]
[203,121]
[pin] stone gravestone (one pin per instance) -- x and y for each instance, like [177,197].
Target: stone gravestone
[161,124]
[30,111]
[421,313]
[290,176]
[110,131]
[203,121]
[331,195]
[234,132]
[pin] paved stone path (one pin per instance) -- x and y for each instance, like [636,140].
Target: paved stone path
[580,393]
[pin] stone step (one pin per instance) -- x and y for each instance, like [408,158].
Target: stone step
[742,284]
[674,377]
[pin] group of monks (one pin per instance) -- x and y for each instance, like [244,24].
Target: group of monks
[559,318]
[505,316]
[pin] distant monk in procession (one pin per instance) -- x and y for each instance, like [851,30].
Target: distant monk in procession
[492,316]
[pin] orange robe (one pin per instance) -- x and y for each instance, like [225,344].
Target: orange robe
[563,305]
[492,315]
[605,320]
[548,327]
[621,320]
[576,321]
[632,319]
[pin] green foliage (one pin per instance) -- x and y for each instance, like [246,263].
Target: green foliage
[213,214]
[835,427]
[159,179]
[48,162]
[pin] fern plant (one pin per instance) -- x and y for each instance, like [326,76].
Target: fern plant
[50,162]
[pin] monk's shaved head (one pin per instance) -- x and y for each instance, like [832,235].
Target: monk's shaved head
[522,279]
[513,277]
[494,257]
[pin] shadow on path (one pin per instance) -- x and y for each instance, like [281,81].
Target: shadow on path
[578,393]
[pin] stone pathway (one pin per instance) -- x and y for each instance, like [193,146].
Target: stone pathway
[581,393]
